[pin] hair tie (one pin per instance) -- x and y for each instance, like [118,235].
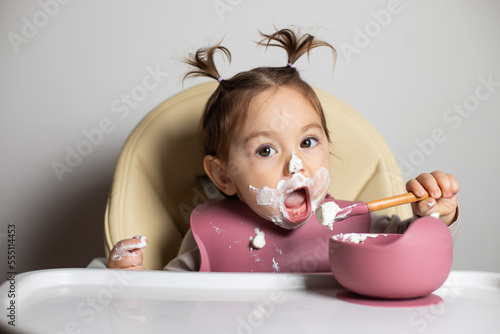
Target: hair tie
[290,64]
[220,79]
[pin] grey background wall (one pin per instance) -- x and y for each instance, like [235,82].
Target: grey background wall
[425,73]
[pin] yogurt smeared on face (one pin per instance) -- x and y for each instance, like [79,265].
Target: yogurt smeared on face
[295,164]
[293,201]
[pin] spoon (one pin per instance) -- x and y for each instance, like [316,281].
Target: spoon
[329,212]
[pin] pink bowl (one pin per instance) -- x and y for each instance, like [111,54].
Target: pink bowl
[395,266]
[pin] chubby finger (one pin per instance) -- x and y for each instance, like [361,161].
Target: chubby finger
[127,260]
[135,267]
[415,187]
[447,183]
[430,184]
[127,252]
[137,242]
[425,207]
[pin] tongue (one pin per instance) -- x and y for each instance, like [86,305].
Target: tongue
[295,199]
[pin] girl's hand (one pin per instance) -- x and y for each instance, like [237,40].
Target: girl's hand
[442,189]
[127,254]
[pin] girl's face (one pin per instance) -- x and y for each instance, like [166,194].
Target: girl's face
[279,162]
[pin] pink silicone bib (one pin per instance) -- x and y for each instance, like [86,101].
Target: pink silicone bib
[222,229]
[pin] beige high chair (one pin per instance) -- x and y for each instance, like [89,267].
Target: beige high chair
[157,178]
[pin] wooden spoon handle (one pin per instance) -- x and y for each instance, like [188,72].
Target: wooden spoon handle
[394,201]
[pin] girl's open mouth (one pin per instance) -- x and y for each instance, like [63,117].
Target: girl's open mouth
[297,206]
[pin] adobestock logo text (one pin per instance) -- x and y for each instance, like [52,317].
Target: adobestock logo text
[121,108]
[31,26]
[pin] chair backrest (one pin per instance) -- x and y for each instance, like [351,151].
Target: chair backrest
[156,182]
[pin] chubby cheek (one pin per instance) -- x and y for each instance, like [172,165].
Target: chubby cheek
[260,174]
[324,157]
[313,164]
[244,184]
[247,195]
[247,189]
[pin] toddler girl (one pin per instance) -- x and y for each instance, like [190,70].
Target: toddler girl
[267,149]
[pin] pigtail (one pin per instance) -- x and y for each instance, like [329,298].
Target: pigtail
[204,64]
[294,44]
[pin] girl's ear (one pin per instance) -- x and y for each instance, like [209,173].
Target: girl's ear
[217,172]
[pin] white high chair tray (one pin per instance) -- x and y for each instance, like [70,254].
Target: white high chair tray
[117,301]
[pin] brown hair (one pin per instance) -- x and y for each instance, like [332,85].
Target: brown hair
[226,108]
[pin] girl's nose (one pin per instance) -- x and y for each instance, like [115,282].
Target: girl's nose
[295,164]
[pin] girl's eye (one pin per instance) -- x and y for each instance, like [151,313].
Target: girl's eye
[309,142]
[266,151]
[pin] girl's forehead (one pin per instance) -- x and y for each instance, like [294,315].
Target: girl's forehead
[279,104]
[276,116]
[276,112]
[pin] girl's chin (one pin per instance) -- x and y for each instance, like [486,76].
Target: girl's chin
[292,224]
[287,221]
[292,214]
